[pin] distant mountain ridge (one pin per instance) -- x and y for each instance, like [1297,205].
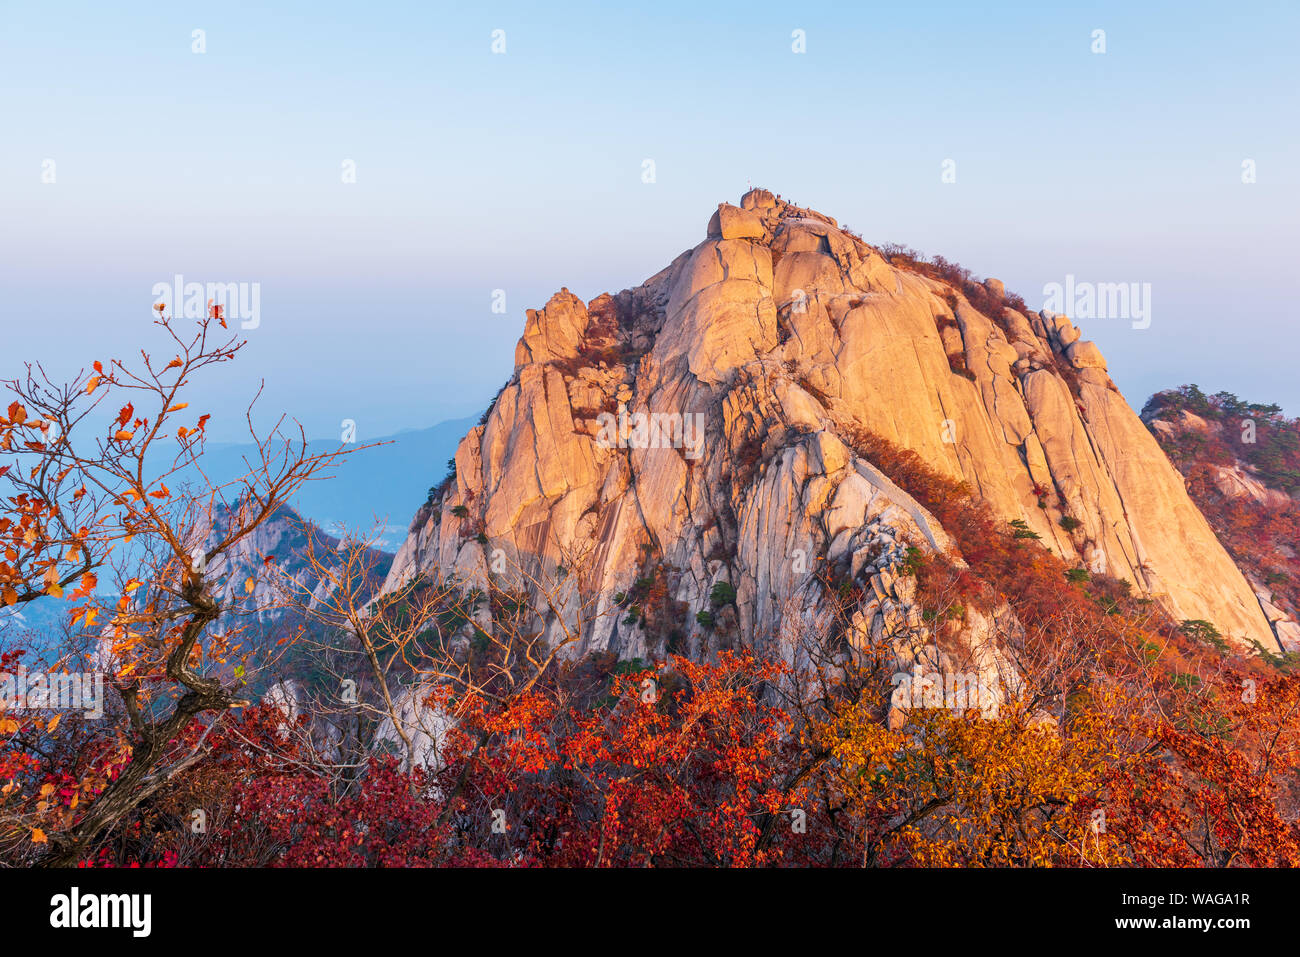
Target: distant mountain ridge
[370,484]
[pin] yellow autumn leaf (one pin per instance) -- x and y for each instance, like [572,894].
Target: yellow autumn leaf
[248,586]
[38,836]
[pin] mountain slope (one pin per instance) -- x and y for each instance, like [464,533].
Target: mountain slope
[1242,465]
[274,557]
[714,425]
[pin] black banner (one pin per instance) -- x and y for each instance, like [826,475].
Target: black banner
[336,907]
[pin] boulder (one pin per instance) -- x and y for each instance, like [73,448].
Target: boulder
[1084,354]
[757,199]
[732,222]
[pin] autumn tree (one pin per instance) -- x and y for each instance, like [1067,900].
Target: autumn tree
[93,492]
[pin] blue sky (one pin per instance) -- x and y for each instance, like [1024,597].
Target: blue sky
[522,171]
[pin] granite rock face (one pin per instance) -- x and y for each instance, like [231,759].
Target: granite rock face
[697,430]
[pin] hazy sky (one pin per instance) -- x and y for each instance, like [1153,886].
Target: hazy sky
[523,171]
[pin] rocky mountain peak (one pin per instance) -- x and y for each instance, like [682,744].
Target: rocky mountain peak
[704,429]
